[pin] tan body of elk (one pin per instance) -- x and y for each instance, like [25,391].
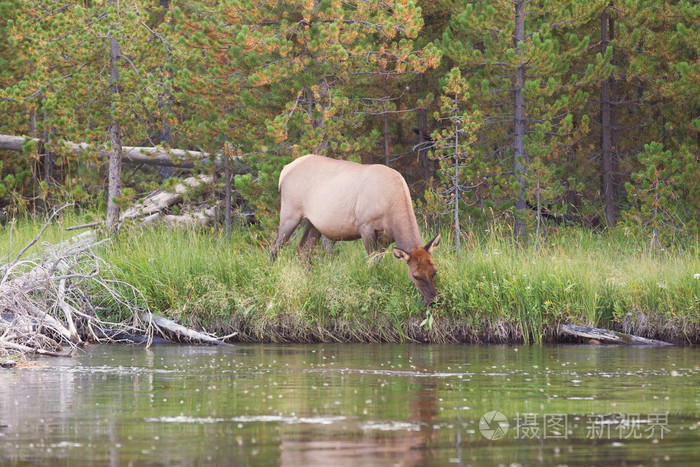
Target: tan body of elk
[346,201]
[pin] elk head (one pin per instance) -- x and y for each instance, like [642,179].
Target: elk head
[421,268]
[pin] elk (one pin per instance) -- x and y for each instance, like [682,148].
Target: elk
[344,200]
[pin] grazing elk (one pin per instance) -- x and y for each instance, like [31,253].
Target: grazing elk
[346,201]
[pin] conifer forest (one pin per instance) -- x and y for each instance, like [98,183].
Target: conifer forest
[523,113]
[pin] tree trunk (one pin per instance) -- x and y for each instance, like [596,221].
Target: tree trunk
[115,177]
[458,231]
[48,155]
[36,169]
[519,156]
[387,159]
[607,113]
[423,139]
[227,174]
[165,105]
[43,169]
[115,154]
[323,91]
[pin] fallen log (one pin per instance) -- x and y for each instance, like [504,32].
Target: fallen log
[160,200]
[205,217]
[181,332]
[135,155]
[150,208]
[603,335]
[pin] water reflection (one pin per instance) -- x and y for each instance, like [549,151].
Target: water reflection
[344,404]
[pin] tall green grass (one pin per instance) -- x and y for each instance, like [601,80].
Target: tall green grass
[493,286]
[494,289]
[15,234]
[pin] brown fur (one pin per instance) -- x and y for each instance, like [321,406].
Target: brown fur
[347,201]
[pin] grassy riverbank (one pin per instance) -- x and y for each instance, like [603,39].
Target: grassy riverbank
[494,292]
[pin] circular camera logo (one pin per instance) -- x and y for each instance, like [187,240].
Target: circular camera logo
[494,425]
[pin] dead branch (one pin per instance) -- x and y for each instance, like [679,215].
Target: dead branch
[85,226]
[9,267]
[25,349]
[611,337]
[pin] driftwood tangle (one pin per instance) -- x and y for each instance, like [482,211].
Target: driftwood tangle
[611,337]
[46,306]
[44,301]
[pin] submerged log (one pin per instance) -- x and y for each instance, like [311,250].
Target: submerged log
[183,333]
[603,335]
[121,336]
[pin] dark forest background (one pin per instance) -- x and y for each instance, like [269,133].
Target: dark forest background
[522,113]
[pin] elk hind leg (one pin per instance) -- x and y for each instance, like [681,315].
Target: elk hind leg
[309,239]
[288,222]
[370,240]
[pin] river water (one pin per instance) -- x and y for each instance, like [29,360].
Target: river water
[323,405]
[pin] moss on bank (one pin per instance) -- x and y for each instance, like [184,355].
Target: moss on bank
[494,291]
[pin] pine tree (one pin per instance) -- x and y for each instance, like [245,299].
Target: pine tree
[85,74]
[307,74]
[517,54]
[657,192]
[644,52]
[460,169]
[22,102]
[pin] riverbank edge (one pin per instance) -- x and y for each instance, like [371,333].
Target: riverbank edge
[496,292]
[444,330]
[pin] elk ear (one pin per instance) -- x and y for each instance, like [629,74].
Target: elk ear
[400,254]
[433,243]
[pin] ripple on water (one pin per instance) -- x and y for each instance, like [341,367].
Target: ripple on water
[119,370]
[397,373]
[249,419]
[391,425]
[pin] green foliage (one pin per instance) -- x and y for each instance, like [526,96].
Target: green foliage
[352,80]
[261,191]
[480,39]
[663,193]
[462,171]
